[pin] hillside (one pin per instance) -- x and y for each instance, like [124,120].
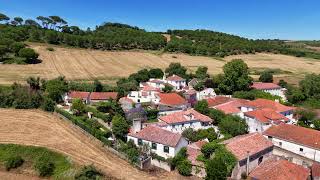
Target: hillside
[108,66]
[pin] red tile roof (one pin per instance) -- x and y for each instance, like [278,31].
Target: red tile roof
[126,99]
[79,95]
[103,95]
[266,115]
[315,169]
[218,100]
[273,169]
[171,99]
[265,86]
[158,81]
[194,150]
[265,103]
[231,107]
[185,116]
[175,78]
[150,88]
[158,135]
[252,143]
[295,134]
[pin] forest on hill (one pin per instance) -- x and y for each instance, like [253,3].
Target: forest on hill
[117,36]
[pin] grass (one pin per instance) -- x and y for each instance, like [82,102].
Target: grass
[63,167]
[275,71]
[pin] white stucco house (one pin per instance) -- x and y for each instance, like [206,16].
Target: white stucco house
[271,88]
[206,94]
[161,142]
[145,95]
[301,145]
[179,121]
[177,82]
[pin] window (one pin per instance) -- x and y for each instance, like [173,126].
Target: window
[270,137]
[154,146]
[139,142]
[260,160]
[166,149]
[280,144]
[301,149]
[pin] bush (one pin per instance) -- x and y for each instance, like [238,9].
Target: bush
[87,173]
[30,55]
[50,49]
[44,166]
[266,76]
[13,162]
[48,105]
[184,168]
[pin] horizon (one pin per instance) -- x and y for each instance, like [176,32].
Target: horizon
[285,20]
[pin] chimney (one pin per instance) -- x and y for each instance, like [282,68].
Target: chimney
[248,163]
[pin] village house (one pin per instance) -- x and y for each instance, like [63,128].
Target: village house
[145,95]
[161,142]
[96,97]
[177,82]
[232,107]
[156,83]
[190,95]
[299,144]
[180,121]
[168,103]
[206,94]
[217,100]
[271,88]
[279,169]
[84,96]
[193,151]
[250,150]
[261,119]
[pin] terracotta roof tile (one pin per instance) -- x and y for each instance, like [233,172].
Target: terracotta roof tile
[266,115]
[103,95]
[265,86]
[315,170]
[150,88]
[231,107]
[296,134]
[265,103]
[175,78]
[194,150]
[171,99]
[273,169]
[252,143]
[158,135]
[79,95]
[218,100]
[185,116]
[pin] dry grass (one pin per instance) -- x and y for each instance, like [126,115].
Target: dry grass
[83,64]
[37,128]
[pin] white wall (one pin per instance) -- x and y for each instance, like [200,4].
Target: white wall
[255,125]
[308,152]
[205,94]
[137,97]
[177,85]
[160,147]
[180,127]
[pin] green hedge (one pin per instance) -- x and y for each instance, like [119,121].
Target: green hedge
[92,127]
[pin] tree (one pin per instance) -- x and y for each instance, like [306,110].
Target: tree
[78,107]
[216,169]
[283,83]
[28,53]
[236,77]
[34,83]
[167,88]
[16,47]
[233,125]
[30,22]
[120,126]
[266,76]
[55,88]
[177,69]
[216,115]
[48,104]
[3,17]
[202,107]
[51,37]
[201,72]
[3,51]
[185,167]
[306,117]
[316,124]
[19,20]
[88,173]
[156,73]
[98,87]
[44,166]
[209,148]
[13,162]
[199,86]
[310,86]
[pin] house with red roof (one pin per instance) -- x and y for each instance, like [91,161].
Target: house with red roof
[169,103]
[300,144]
[260,120]
[84,96]
[250,150]
[190,118]
[161,141]
[126,103]
[271,88]
[279,169]
[96,97]
[177,82]
[193,151]
[217,100]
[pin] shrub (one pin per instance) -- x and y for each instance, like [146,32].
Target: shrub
[44,166]
[50,49]
[88,172]
[29,54]
[48,104]
[185,167]
[13,162]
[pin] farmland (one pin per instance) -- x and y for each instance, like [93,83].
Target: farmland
[108,66]
[37,128]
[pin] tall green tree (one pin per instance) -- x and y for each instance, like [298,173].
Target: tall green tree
[19,20]
[4,17]
[120,126]
[177,69]
[202,72]
[266,76]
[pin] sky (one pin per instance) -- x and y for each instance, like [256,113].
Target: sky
[255,19]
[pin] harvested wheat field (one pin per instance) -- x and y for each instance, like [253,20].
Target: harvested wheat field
[38,128]
[84,64]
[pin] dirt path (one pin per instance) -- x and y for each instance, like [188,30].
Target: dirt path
[34,127]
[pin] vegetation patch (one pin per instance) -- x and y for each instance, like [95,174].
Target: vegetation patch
[275,71]
[42,160]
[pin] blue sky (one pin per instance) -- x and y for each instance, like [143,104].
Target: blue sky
[283,19]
